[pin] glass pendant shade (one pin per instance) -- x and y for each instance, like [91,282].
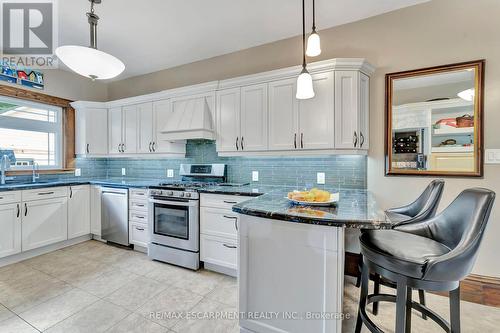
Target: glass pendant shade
[467,95]
[313,45]
[304,85]
[90,62]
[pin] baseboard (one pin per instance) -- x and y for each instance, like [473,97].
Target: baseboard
[475,288]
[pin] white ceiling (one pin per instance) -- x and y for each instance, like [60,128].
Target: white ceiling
[150,35]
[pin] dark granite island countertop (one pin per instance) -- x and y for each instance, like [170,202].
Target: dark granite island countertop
[355,209]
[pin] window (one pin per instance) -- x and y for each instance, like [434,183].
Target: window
[30,133]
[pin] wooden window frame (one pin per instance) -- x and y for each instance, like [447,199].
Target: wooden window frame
[68,123]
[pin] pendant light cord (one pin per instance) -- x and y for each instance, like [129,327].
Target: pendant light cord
[314,16]
[303,35]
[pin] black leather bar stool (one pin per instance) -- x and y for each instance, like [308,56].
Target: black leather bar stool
[423,208]
[436,255]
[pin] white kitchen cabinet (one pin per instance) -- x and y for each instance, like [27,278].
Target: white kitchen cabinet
[91,131]
[95,210]
[138,217]
[161,115]
[115,130]
[351,110]
[123,127]
[44,222]
[228,119]
[254,118]
[145,128]
[10,224]
[78,211]
[283,115]
[316,115]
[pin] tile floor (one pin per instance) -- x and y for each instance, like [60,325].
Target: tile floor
[92,287]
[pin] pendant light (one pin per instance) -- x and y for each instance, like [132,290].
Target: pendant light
[313,42]
[304,81]
[89,61]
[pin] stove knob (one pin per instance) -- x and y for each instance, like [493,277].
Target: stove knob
[181,194]
[188,195]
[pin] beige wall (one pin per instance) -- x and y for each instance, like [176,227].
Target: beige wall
[71,86]
[434,33]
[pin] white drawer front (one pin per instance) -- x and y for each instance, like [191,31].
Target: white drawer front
[139,205]
[221,201]
[45,193]
[10,197]
[139,217]
[218,222]
[219,251]
[139,193]
[139,234]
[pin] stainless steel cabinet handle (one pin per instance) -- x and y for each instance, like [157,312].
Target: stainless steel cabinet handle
[355,138]
[1,198]
[237,148]
[362,139]
[119,147]
[45,193]
[301,140]
[150,149]
[230,217]
[295,141]
[154,147]
[242,147]
[18,210]
[140,217]
[140,229]
[70,192]
[123,147]
[88,150]
[230,202]
[139,205]
[25,209]
[230,246]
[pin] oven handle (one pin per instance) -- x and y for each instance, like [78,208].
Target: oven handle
[190,203]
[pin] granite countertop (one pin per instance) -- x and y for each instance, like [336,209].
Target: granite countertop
[355,209]
[115,182]
[245,190]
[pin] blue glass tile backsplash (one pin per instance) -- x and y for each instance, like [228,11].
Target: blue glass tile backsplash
[343,171]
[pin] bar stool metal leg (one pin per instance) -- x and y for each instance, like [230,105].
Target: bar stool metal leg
[408,309]
[455,310]
[401,303]
[365,274]
[376,290]
[421,299]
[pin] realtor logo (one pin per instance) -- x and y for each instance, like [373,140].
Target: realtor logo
[29,32]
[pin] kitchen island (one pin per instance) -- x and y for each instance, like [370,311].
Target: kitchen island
[291,260]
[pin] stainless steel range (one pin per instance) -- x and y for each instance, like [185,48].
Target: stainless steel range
[174,214]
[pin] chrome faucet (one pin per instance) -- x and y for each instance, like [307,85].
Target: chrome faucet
[36,174]
[4,166]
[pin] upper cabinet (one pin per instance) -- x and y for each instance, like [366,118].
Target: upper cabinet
[123,129]
[283,115]
[91,131]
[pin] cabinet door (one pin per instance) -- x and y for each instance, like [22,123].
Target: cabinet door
[283,120]
[162,111]
[130,126]
[145,135]
[228,120]
[95,210]
[10,224]
[316,115]
[254,118]
[45,222]
[78,211]
[115,126]
[364,111]
[96,129]
[346,110]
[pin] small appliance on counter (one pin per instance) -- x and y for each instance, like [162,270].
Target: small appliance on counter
[174,215]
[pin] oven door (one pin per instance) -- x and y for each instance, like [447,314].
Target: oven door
[175,223]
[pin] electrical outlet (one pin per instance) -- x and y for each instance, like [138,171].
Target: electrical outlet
[255,176]
[492,156]
[320,178]
[124,172]
[170,173]
[78,172]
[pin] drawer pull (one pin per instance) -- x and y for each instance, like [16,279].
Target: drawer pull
[230,246]
[230,202]
[140,229]
[25,209]
[45,193]
[230,217]
[1,198]
[18,210]
[139,205]
[140,217]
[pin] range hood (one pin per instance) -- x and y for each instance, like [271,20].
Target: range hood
[190,118]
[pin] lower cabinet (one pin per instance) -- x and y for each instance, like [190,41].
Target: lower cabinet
[10,226]
[95,210]
[219,251]
[139,234]
[138,217]
[44,222]
[78,211]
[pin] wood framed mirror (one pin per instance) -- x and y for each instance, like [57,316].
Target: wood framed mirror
[434,121]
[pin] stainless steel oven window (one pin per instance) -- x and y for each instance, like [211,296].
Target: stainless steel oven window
[171,221]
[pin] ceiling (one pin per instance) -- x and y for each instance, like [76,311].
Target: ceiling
[157,34]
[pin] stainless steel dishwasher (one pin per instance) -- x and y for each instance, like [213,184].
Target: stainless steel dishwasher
[114,223]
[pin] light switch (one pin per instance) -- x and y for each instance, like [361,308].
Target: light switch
[124,172]
[170,173]
[255,176]
[320,178]
[492,156]
[78,172]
